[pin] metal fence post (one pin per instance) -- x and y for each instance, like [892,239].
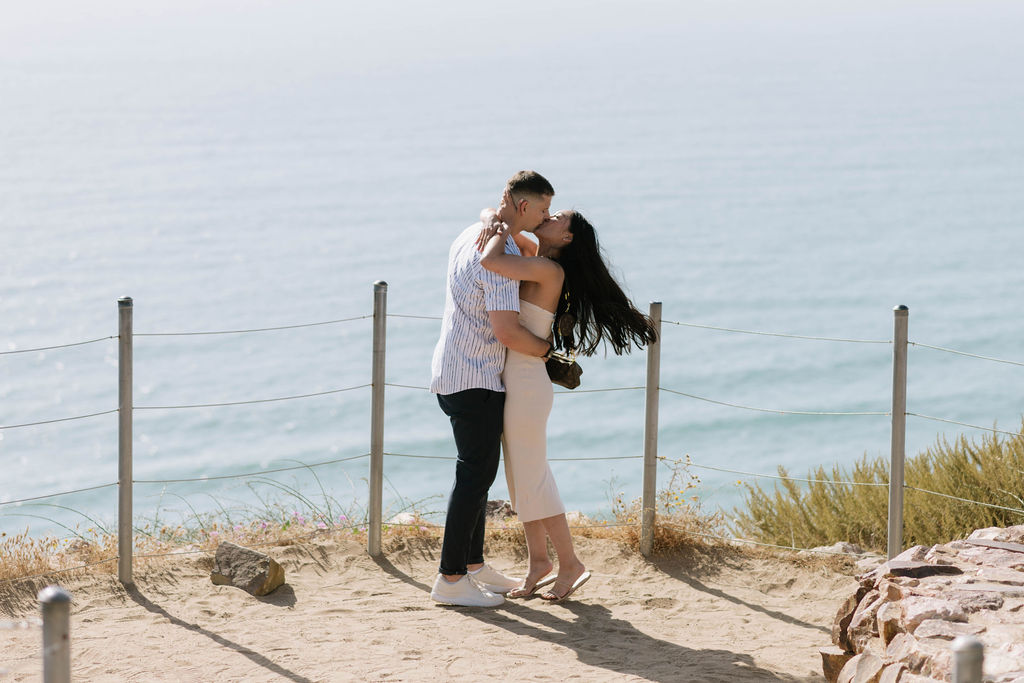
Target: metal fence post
[55,603]
[380,306]
[899,429]
[649,502]
[968,657]
[124,441]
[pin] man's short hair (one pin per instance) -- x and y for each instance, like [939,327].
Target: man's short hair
[531,183]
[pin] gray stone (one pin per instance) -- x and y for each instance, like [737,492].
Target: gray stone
[976,602]
[1013,534]
[862,626]
[915,553]
[902,648]
[1006,590]
[917,569]
[993,557]
[840,635]
[833,659]
[1005,659]
[863,668]
[1011,577]
[842,547]
[403,518]
[868,563]
[890,621]
[1009,677]
[252,571]
[916,603]
[989,533]
[917,609]
[892,673]
[946,630]
[999,545]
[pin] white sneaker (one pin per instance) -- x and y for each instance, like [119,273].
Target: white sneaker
[491,579]
[463,592]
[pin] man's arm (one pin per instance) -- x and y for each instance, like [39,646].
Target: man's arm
[491,223]
[516,337]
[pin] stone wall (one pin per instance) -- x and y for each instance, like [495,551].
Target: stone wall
[899,624]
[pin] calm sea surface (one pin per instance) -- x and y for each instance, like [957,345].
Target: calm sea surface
[786,168]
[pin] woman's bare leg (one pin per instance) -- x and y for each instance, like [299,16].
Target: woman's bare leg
[540,563]
[569,566]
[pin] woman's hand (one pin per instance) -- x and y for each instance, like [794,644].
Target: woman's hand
[492,225]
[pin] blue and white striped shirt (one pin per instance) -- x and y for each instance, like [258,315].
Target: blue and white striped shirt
[468,355]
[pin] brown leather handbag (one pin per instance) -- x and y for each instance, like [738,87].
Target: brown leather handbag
[564,370]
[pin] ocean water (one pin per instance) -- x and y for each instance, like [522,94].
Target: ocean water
[797,167]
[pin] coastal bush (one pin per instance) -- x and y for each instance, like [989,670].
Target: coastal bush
[988,470]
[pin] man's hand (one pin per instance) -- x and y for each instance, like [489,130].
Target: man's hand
[492,225]
[506,200]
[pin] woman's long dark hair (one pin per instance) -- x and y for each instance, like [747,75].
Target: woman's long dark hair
[592,307]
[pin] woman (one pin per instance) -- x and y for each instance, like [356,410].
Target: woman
[565,282]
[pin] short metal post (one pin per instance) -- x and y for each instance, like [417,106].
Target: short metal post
[649,501]
[124,441]
[968,658]
[899,429]
[380,306]
[55,603]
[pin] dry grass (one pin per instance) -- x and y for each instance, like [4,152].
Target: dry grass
[681,528]
[683,532]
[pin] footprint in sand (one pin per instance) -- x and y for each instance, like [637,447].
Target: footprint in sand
[658,603]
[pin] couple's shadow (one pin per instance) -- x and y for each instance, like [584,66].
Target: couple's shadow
[604,641]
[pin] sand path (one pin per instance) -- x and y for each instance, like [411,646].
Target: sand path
[343,616]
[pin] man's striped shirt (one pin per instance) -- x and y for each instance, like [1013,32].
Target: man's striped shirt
[468,355]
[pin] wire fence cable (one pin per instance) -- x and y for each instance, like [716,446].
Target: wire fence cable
[779,334]
[54,495]
[966,500]
[251,474]
[59,346]
[258,329]
[258,400]
[964,353]
[964,424]
[770,410]
[416,317]
[770,476]
[59,419]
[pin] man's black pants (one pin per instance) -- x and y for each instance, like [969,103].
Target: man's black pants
[476,416]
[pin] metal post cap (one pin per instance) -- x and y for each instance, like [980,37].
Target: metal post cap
[54,595]
[968,645]
[900,309]
[380,283]
[124,301]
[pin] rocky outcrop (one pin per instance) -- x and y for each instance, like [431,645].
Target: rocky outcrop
[900,622]
[247,569]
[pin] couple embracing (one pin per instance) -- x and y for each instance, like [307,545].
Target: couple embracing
[510,302]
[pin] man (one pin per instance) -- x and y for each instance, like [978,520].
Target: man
[481,320]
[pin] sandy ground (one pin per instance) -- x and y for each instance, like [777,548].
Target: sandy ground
[343,616]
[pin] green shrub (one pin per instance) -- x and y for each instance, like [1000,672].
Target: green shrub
[989,470]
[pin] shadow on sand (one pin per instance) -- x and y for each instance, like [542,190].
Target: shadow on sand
[135,594]
[601,640]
